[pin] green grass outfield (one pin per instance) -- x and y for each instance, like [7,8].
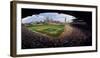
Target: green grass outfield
[53,30]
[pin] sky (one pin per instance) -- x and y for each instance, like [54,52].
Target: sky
[50,15]
[85,16]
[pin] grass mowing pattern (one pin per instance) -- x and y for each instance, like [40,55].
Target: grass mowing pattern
[53,30]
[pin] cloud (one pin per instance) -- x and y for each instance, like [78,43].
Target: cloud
[43,16]
[33,18]
[27,19]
